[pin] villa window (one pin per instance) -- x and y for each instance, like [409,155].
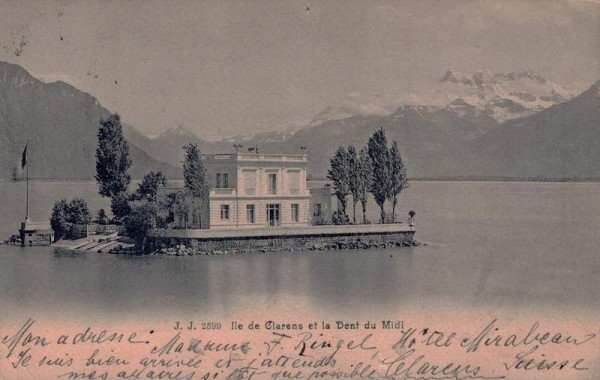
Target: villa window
[294,181]
[250,213]
[272,183]
[222,181]
[250,182]
[318,210]
[224,212]
[225,180]
[295,212]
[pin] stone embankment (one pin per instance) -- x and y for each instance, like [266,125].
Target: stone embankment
[263,240]
[182,250]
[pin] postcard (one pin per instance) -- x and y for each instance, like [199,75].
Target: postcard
[238,190]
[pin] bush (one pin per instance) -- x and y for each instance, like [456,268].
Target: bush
[320,221]
[101,217]
[66,215]
[119,205]
[78,212]
[340,218]
[140,221]
[59,219]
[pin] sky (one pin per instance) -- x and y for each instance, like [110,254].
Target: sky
[221,68]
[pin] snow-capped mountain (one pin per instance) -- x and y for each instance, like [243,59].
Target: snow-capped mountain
[503,96]
[483,124]
[335,113]
[561,141]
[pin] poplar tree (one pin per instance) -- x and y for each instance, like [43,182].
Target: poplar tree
[112,158]
[339,174]
[353,179]
[363,174]
[398,180]
[380,163]
[148,188]
[194,173]
[120,206]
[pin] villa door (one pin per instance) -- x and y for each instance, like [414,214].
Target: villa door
[273,214]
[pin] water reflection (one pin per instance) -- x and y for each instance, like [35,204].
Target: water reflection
[489,244]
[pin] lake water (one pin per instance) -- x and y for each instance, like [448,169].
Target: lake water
[529,245]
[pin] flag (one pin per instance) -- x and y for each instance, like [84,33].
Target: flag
[24,158]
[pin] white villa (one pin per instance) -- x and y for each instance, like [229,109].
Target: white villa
[250,190]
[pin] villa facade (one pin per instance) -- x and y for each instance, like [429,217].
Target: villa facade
[249,190]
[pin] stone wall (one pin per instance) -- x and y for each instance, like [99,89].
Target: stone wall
[80,231]
[37,237]
[290,242]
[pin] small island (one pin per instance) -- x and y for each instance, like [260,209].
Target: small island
[237,202]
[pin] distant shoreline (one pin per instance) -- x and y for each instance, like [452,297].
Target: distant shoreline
[416,179]
[496,179]
[504,179]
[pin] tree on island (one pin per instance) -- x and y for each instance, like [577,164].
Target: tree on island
[339,174]
[175,202]
[120,207]
[79,212]
[194,173]
[398,179]
[141,219]
[112,158]
[363,175]
[112,164]
[59,219]
[101,217]
[381,168]
[148,188]
[142,212]
[66,215]
[353,180]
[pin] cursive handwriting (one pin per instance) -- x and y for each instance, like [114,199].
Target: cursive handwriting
[23,338]
[410,366]
[488,338]
[525,360]
[406,353]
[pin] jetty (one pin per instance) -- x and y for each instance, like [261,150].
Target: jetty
[102,243]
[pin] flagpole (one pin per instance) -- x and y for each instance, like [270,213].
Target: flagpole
[27,178]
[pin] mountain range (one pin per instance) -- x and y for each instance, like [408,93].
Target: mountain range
[501,96]
[517,125]
[560,141]
[59,124]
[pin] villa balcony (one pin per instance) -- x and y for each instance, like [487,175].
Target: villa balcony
[253,157]
[271,157]
[220,192]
